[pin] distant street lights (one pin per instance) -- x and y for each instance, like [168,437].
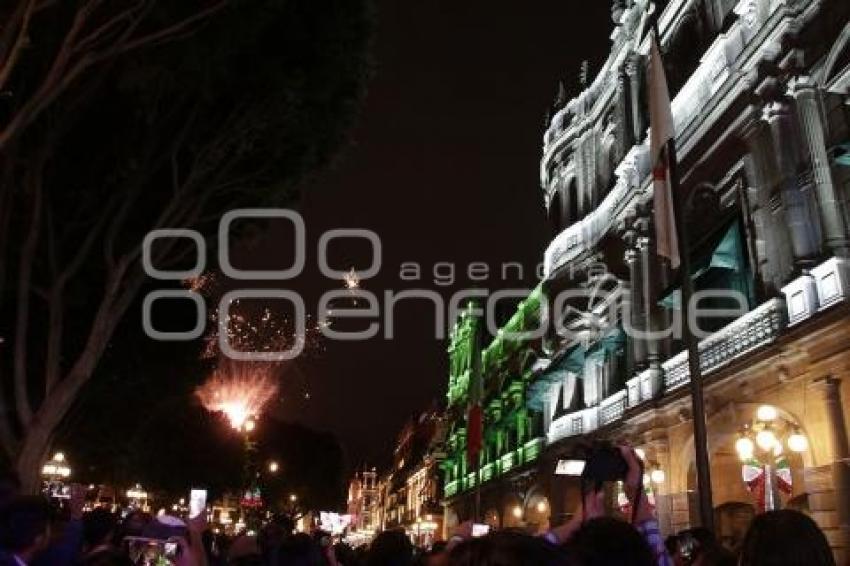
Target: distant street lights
[54,473]
[138,497]
[56,469]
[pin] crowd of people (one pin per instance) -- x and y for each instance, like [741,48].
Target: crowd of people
[31,536]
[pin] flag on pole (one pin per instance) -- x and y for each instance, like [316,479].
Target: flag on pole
[661,135]
[475,416]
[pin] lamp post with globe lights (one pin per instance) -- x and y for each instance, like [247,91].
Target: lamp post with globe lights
[138,497]
[761,448]
[55,472]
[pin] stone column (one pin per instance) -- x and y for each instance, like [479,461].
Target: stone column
[634,66]
[658,453]
[625,132]
[636,300]
[837,530]
[772,241]
[805,240]
[832,207]
[655,318]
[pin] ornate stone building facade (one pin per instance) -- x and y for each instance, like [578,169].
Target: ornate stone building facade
[761,104]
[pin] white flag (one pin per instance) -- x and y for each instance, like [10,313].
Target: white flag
[661,131]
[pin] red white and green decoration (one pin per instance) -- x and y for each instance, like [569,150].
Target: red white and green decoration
[755,476]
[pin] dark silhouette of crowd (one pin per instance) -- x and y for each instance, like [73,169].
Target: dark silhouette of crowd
[31,534]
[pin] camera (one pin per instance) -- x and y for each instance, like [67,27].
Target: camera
[603,463]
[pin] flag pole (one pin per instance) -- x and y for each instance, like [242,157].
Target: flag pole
[478,386]
[703,467]
[706,505]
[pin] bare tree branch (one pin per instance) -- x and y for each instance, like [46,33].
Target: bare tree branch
[25,266]
[10,59]
[69,65]
[56,300]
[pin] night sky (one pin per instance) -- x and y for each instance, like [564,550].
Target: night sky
[444,167]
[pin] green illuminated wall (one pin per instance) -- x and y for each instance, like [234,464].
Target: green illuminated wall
[512,432]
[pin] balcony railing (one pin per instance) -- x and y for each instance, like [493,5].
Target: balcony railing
[757,328]
[451,488]
[507,462]
[487,472]
[531,450]
[612,408]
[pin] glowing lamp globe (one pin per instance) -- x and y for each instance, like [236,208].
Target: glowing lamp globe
[767,413]
[658,476]
[517,511]
[744,447]
[798,442]
[766,440]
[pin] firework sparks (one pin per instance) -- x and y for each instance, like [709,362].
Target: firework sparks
[204,283]
[351,280]
[264,332]
[239,391]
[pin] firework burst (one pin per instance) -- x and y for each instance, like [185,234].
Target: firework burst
[239,390]
[351,280]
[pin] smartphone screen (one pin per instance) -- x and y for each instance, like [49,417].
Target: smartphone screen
[197,502]
[150,552]
[479,530]
[170,549]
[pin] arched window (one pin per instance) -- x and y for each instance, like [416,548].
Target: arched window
[572,202]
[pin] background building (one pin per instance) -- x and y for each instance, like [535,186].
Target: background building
[760,102]
[363,502]
[408,495]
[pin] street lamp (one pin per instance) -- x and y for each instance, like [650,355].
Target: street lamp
[138,497]
[273,467]
[657,476]
[54,472]
[56,469]
[761,444]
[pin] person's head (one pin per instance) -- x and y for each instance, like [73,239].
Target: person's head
[437,555]
[785,538]
[715,555]
[25,526]
[98,527]
[390,548]
[300,550]
[671,544]
[507,547]
[606,541]
[135,523]
[245,549]
[111,557]
[345,554]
